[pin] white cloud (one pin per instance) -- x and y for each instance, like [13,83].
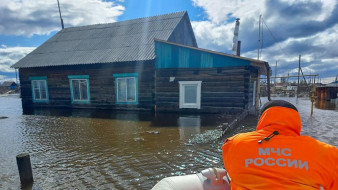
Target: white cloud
[217,32]
[222,10]
[27,17]
[212,35]
[316,57]
[10,55]
[306,27]
[4,78]
[327,80]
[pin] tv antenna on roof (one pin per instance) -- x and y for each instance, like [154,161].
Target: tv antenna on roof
[60,16]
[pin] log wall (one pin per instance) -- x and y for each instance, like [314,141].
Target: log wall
[101,82]
[224,90]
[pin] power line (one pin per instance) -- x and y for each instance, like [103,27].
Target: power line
[280,48]
[304,79]
[60,15]
[273,37]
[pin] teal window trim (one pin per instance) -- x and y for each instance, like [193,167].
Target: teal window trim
[126,75]
[79,77]
[39,78]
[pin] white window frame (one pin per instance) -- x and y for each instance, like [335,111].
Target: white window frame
[40,91]
[182,85]
[81,99]
[117,90]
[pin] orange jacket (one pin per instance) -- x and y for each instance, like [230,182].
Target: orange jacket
[285,161]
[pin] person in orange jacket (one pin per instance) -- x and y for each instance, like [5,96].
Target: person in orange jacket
[276,156]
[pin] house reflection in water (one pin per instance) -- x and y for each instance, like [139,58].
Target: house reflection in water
[189,125]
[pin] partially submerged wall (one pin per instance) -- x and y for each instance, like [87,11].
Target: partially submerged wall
[101,83]
[223,90]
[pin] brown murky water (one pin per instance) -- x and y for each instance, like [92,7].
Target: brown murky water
[84,149]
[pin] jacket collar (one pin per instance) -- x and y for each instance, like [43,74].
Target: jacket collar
[285,120]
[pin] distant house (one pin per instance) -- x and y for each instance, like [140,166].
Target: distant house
[327,92]
[149,63]
[290,87]
[9,85]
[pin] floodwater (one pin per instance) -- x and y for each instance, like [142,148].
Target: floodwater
[83,149]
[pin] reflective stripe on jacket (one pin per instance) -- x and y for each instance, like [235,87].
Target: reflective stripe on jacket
[283,161]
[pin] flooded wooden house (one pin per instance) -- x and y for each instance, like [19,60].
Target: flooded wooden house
[328,92]
[150,63]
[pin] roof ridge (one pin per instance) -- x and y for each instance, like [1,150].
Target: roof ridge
[134,19]
[123,35]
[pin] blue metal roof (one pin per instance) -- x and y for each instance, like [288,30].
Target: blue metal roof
[171,55]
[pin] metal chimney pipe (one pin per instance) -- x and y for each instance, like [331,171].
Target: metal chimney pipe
[238,53]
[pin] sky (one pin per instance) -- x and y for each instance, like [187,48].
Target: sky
[291,28]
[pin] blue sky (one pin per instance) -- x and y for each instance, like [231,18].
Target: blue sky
[154,7]
[308,28]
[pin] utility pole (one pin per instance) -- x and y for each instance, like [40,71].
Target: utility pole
[268,79]
[16,76]
[310,78]
[259,36]
[60,16]
[275,74]
[313,94]
[298,79]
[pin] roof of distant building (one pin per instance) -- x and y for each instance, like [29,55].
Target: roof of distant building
[333,84]
[8,83]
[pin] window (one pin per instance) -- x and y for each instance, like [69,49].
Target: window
[39,89]
[126,88]
[190,94]
[79,88]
